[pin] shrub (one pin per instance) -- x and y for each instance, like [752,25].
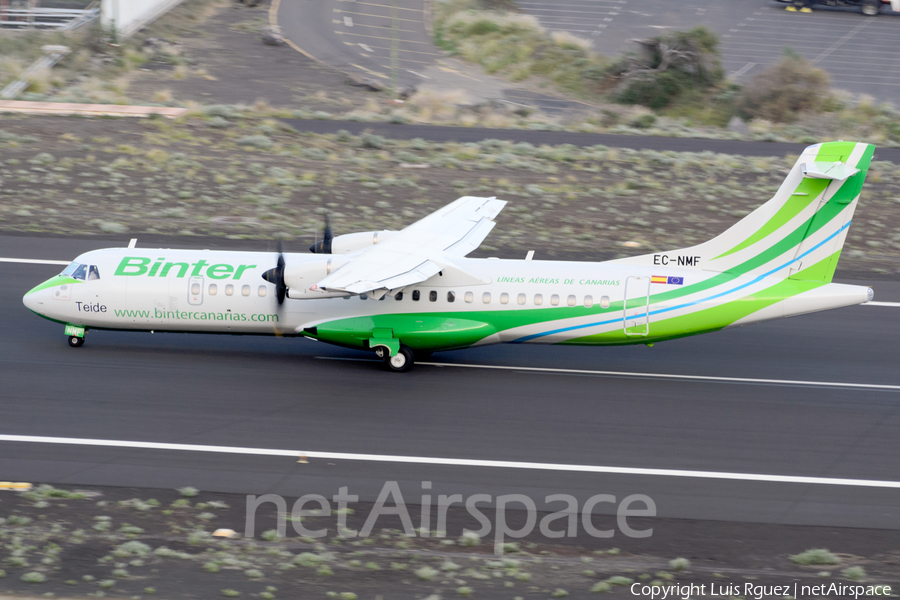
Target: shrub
[257,141]
[644,122]
[816,556]
[668,67]
[781,92]
[314,154]
[220,110]
[369,140]
[679,564]
[469,538]
[308,559]
[34,577]
[854,573]
[131,549]
[426,573]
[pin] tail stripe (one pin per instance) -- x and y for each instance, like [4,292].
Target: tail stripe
[810,189]
[660,311]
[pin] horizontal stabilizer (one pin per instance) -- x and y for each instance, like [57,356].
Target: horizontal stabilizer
[828,170]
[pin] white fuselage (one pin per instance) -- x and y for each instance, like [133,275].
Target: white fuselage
[224,292]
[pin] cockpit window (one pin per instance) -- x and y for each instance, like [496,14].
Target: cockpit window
[80,273]
[70,269]
[93,273]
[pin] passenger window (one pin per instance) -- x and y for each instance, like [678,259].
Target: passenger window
[415,295]
[572,301]
[432,296]
[486,297]
[398,296]
[470,297]
[504,298]
[521,299]
[554,300]
[604,302]
[245,290]
[213,289]
[80,272]
[588,301]
[195,289]
[451,296]
[262,291]
[229,290]
[538,299]
[93,273]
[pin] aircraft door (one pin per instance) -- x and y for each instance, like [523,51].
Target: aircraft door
[636,306]
[195,291]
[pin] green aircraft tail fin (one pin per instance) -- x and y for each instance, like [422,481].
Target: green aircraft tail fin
[799,233]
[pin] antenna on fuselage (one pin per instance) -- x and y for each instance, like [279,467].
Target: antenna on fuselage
[132,243]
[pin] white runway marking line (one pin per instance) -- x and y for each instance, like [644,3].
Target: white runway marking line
[835,384]
[458,462]
[33,261]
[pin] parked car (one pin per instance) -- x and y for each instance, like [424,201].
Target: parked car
[869,8]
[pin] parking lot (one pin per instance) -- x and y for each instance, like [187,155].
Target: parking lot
[860,53]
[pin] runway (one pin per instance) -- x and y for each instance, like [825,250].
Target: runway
[753,404]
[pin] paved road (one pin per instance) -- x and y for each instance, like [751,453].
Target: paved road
[390,41]
[860,53]
[440,133]
[292,394]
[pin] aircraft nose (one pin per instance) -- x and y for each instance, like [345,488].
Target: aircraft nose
[30,302]
[34,299]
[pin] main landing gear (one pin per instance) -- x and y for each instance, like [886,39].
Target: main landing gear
[400,362]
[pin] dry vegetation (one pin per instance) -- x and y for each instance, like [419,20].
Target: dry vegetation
[676,74]
[105,542]
[223,174]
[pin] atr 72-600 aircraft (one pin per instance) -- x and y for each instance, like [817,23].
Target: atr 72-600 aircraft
[404,294]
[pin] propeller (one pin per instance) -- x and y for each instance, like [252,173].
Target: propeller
[276,276]
[324,247]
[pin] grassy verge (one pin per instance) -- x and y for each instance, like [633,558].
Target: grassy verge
[100,542]
[791,100]
[99,66]
[227,175]
[516,46]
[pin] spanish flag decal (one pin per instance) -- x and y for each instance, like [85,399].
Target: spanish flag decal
[667,280]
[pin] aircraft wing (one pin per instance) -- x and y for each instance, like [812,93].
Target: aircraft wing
[415,253]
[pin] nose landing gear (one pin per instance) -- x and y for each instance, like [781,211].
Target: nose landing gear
[76,335]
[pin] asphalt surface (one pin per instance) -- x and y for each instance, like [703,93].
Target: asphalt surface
[441,133]
[390,42]
[292,394]
[859,53]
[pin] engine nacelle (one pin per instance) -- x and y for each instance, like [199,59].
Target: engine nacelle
[351,242]
[299,277]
